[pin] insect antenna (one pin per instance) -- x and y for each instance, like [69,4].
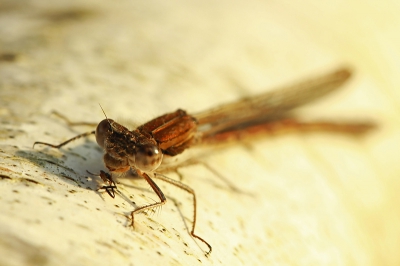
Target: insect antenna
[108,120]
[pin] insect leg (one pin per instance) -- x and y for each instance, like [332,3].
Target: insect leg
[106,177]
[65,142]
[191,191]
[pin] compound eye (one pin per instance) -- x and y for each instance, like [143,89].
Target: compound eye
[103,131]
[147,158]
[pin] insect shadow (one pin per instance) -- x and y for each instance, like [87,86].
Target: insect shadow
[68,164]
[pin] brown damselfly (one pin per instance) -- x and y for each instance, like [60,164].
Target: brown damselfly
[143,148]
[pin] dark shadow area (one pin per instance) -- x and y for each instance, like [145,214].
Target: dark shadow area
[69,164]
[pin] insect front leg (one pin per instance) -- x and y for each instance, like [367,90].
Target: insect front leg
[157,190]
[114,165]
[107,178]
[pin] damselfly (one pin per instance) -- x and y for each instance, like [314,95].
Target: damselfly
[143,148]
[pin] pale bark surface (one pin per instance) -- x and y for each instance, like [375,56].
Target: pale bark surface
[306,199]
